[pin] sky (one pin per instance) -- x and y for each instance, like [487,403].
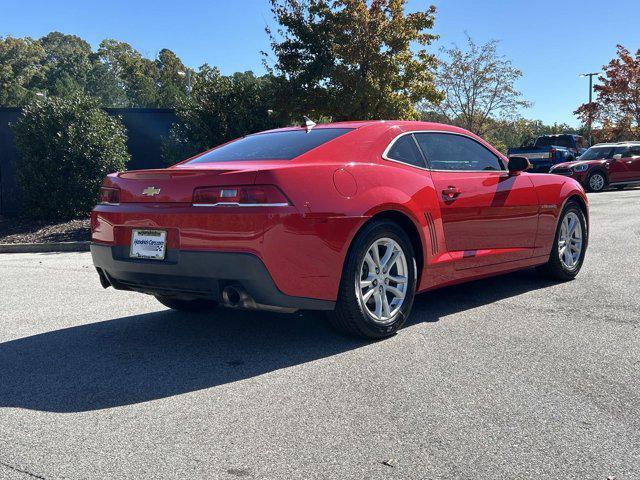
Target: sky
[550,41]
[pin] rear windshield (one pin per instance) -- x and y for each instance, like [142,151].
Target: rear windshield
[283,145]
[558,141]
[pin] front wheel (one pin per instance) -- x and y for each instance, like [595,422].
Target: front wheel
[596,182]
[378,282]
[194,305]
[569,246]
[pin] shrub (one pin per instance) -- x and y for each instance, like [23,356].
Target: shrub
[66,147]
[221,108]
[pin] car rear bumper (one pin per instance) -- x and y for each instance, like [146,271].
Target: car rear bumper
[196,274]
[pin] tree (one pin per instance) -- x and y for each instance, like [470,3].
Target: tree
[617,107]
[136,75]
[66,146]
[352,59]
[172,84]
[222,108]
[103,84]
[20,69]
[478,85]
[66,65]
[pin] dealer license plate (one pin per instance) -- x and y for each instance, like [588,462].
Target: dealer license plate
[149,244]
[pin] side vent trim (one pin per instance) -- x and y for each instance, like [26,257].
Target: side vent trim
[432,232]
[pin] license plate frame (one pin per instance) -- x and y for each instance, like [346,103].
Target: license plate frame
[148,244]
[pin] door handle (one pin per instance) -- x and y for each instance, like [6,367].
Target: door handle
[450,192]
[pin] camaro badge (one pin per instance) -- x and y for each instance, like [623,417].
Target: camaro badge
[151,191]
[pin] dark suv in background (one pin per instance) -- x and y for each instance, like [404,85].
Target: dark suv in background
[604,164]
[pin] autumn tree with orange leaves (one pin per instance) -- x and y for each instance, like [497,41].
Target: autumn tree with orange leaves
[617,106]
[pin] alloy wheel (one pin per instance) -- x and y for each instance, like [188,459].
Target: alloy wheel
[570,241]
[383,280]
[596,182]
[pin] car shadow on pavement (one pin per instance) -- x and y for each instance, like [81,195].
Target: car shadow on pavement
[433,305]
[139,358]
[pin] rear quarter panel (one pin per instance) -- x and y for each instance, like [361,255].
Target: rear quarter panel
[318,243]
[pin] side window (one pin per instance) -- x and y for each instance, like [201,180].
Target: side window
[445,151]
[405,150]
[633,151]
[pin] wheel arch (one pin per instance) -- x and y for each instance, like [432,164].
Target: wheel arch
[601,170]
[574,197]
[404,221]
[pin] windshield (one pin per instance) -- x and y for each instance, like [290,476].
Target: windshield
[601,153]
[282,145]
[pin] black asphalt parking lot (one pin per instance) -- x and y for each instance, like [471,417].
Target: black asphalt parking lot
[510,377]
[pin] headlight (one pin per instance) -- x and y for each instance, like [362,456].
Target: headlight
[580,168]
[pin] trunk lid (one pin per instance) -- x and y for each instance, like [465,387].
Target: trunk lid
[174,185]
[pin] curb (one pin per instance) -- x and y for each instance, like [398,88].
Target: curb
[44,247]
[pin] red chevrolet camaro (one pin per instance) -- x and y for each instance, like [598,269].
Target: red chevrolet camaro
[353,218]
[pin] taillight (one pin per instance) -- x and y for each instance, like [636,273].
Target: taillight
[243,196]
[109,195]
[552,153]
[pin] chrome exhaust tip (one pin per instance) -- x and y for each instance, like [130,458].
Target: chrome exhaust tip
[237,297]
[234,296]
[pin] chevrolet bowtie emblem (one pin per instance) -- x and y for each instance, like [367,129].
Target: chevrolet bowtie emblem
[151,191]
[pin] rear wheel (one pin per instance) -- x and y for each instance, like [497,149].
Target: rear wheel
[378,282]
[596,182]
[195,305]
[569,245]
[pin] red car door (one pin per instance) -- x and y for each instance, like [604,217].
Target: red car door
[631,160]
[488,215]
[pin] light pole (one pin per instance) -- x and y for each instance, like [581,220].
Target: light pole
[188,75]
[590,75]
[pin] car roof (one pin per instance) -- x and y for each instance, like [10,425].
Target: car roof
[356,124]
[556,135]
[618,144]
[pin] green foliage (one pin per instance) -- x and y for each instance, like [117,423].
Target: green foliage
[171,77]
[220,109]
[352,59]
[66,64]
[20,72]
[136,75]
[66,147]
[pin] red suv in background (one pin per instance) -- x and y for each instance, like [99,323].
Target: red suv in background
[614,164]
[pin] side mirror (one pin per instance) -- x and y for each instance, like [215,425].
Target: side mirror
[617,156]
[518,164]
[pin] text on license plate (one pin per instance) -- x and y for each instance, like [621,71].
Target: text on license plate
[150,244]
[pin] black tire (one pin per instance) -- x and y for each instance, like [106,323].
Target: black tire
[591,188]
[620,187]
[349,315]
[554,268]
[195,305]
